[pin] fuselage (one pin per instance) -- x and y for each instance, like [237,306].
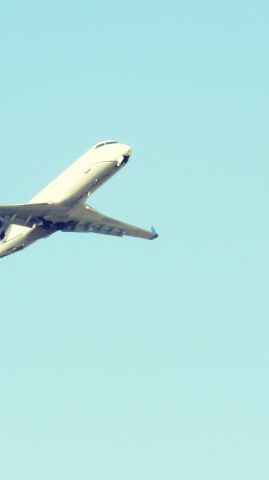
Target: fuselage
[70,188]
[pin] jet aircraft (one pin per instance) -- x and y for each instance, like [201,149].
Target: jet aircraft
[62,204]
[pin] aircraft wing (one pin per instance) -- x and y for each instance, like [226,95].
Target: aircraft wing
[82,219]
[89,220]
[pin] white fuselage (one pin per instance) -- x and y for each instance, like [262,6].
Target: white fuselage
[69,189]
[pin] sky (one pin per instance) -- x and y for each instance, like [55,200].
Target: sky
[122,358]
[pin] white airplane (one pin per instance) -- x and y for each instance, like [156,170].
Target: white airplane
[62,204]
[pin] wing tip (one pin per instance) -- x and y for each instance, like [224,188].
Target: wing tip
[155,234]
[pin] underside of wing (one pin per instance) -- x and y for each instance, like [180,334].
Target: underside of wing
[26,214]
[81,218]
[86,219]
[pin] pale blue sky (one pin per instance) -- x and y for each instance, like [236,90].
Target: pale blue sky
[121,358]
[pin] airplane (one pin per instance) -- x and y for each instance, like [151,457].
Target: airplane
[61,206]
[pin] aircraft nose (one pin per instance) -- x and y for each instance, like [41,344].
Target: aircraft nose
[124,154]
[127,154]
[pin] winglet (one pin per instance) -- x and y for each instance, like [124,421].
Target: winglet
[155,233]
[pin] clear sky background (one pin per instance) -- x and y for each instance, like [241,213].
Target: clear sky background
[122,358]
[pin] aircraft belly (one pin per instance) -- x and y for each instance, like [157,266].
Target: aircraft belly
[99,174]
[92,178]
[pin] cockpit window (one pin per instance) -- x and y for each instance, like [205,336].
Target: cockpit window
[99,145]
[103,143]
